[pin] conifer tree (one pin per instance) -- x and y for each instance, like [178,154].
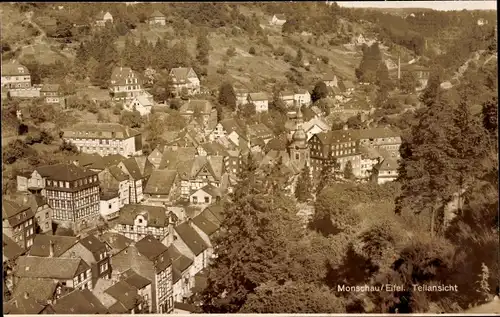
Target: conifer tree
[327,175]
[304,185]
[227,96]
[348,173]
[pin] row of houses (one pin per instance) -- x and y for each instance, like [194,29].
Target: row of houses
[149,262]
[156,18]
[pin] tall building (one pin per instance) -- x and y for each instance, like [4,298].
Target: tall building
[125,84]
[298,148]
[73,194]
[18,223]
[15,76]
[104,139]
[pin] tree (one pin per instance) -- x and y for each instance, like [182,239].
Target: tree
[155,128]
[355,122]
[294,297]
[327,175]
[227,96]
[252,51]
[16,150]
[203,49]
[320,91]
[304,185]
[252,248]
[348,173]
[370,64]
[131,119]
[408,82]
[433,88]
[68,148]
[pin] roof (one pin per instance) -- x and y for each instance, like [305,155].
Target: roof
[388,164]
[185,307]
[138,167]
[347,84]
[94,245]
[206,225]
[136,280]
[231,125]
[41,245]
[39,289]
[11,209]
[181,73]
[113,159]
[154,251]
[100,15]
[160,182]
[337,136]
[157,14]
[377,133]
[279,142]
[88,160]
[47,267]
[100,131]
[215,148]
[329,77]
[116,241]
[192,106]
[11,250]
[143,100]
[117,173]
[121,74]
[215,212]
[191,238]
[79,302]
[280,16]
[260,130]
[22,306]
[50,88]
[64,172]
[209,189]
[170,159]
[315,121]
[156,216]
[14,69]
[180,263]
[124,293]
[258,96]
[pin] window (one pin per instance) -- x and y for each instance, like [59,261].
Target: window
[207,199]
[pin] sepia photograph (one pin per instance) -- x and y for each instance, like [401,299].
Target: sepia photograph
[286,157]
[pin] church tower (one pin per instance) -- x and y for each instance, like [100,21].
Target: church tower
[298,148]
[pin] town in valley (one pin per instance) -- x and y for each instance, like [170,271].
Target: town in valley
[251,157]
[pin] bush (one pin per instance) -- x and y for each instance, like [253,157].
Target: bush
[117,110]
[287,58]
[252,51]
[222,70]
[325,59]
[231,52]
[280,51]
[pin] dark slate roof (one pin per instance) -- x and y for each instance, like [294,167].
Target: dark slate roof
[217,211]
[191,238]
[206,225]
[154,251]
[22,306]
[94,245]
[136,280]
[11,250]
[64,172]
[41,245]
[113,159]
[125,294]
[50,88]
[44,267]
[39,289]
[100,131]
[116,241]
[180,263]
[79,302]
[160,182]
[11,209]
[157,216]
[117,173]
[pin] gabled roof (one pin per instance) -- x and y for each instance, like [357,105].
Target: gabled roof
[10,209]
[79,302]
[113,159]
[258,96]
[154,251]
[160,182]
[11,250]
[206,225]
[125,294]
[116,241]
[231,125]
[181,73]
[64,172]
[388,164]
[157,14]
[94,245]
[156,216]
[87,160]
[47,267]
[138,167]
[280,16]
[337,136]
[14,69]
[100,131]
[143,101]
[117,173]
[171,158]
[215,210]
[41,245]
[39,289]
[377,133]
[315,121]
[180,263]
[23,306]
[193,106]
[191,238]
[279,142]
[136,280]
[214,148]
[50,88]
[121,74]
[260,130]
[329,76]
[209,189]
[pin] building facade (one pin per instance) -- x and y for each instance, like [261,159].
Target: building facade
[15,76]
[125,84]
[18,223]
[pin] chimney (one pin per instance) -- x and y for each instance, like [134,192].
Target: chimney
[26,295]
[51,248]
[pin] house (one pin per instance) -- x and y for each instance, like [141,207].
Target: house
[103,18]
[288,97]
[370,157]
[104,138]
[202,109]
[359,39]
[206,195]
[278,19]
[137,221]
[51,93]
[181,274]
[199,172]
[142,103]
[163,186]
[51,245]
[347,87]
[93,162]
[157,18]
[72,192]
[42,291]
[116,242]
[72,273]
[118,297]
[109,205]
[18,223]
[184,308]
[314,126]
[11,251]
[150,259]
[173,157]
[115,184]
[95,253]
[380,138]
[138,169]
[330,80]
[241,96]
[191,244]
[422,73]
[125,84]
[43,213]
[386,171]
[341,145]
[185,81]
[143,286]
[15,76]
[234,129]
[302,97]
[259,131]
[212,148]
[23,305]
[482,22]
[260,100]
[78,302]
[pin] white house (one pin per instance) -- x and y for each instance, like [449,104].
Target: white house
[386,171]
[278,19]
[206,195]
[241,96]
[109,205]
[314,126]
[260,100]
[103,18]
[302,97]
[15,76]
[141,103]
[157,18]
[185,79]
